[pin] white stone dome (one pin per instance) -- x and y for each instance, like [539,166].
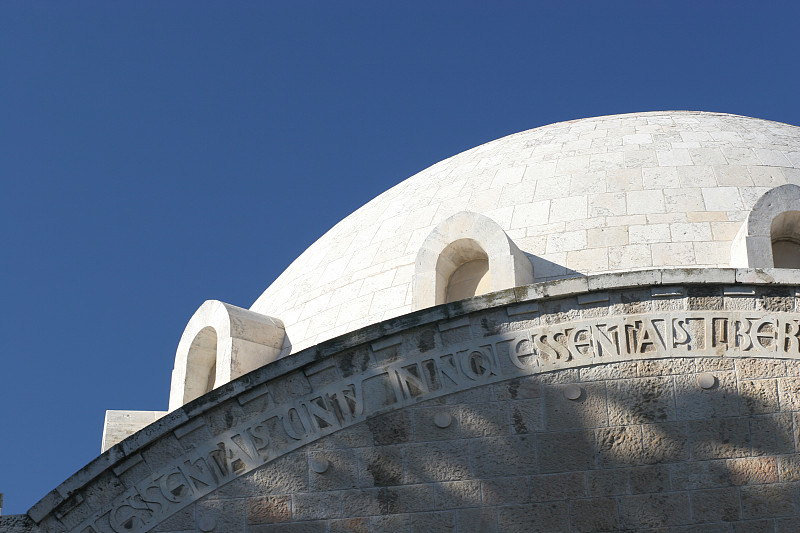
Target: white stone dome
[616,193]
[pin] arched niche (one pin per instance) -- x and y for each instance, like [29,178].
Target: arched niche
[466,255]
[770,236]
[221,342]
[785,236]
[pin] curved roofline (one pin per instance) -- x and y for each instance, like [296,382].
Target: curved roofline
[251,384]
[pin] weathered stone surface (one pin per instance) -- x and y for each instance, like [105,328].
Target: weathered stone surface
[588,412]
[570,450]
[540,517]
[759,396]
[596,514]
[477,520]
[619,446]
[436,462]
[550,487]
[715,505]
[269,509]
[665,443]
[610,482]
[317,505]
[647,479]
[226,515]
[505,490]
[503,456]
[768,501]
[460,494]
[654,510]
[380,466]
[753,470]
[643,400]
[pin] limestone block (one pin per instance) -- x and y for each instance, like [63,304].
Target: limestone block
[505,490]
[667,254]
[119,425]
[571,208]
[715,505]
[504,456]
[732,176]
[594,514]
[642,400]
[535,517]
[629,257]
[608,204]
[649,233]
[722,199]
[673,158]
[608,482]
[461,494]
[221,515]
[726,438]
[695,231]
[566,451]
[317,505]
[645,202]
[437,462]
[649,479]
[438,521]
[654,510]
[481,520]
[269,509]
[406,498]
[753,470]
[619,446]
[767,501]
[602,237]
[341,472]
[758,397]
[696,176]
[363,502]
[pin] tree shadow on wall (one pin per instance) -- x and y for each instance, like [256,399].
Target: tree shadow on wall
[643,447]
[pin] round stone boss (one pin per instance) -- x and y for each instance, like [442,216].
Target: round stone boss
[319,465]
[206,523]
[706,380]
[572,392]
[442,420]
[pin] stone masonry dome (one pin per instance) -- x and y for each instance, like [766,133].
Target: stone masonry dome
[589,326]
[606,194]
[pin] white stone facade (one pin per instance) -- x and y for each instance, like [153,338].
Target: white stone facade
[606,194]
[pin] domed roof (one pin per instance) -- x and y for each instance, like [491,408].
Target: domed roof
[615,193]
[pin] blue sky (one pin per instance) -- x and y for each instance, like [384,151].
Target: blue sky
[154,155]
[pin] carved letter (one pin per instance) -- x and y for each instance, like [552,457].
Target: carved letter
[524,348]
[580,342]
[131,515]
[198,471]
[603,343]
[760,337]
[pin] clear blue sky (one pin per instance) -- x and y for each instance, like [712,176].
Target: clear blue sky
[157,154]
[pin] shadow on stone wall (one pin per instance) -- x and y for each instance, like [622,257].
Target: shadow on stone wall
[644,447]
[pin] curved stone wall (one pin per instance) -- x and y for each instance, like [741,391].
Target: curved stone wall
[656,399]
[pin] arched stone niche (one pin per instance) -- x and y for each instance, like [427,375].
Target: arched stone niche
[221,342]
[770,236]
[466,255]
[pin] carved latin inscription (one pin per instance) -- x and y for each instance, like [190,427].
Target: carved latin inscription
[273,433]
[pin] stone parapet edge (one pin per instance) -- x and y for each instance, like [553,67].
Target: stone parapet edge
[517,295]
